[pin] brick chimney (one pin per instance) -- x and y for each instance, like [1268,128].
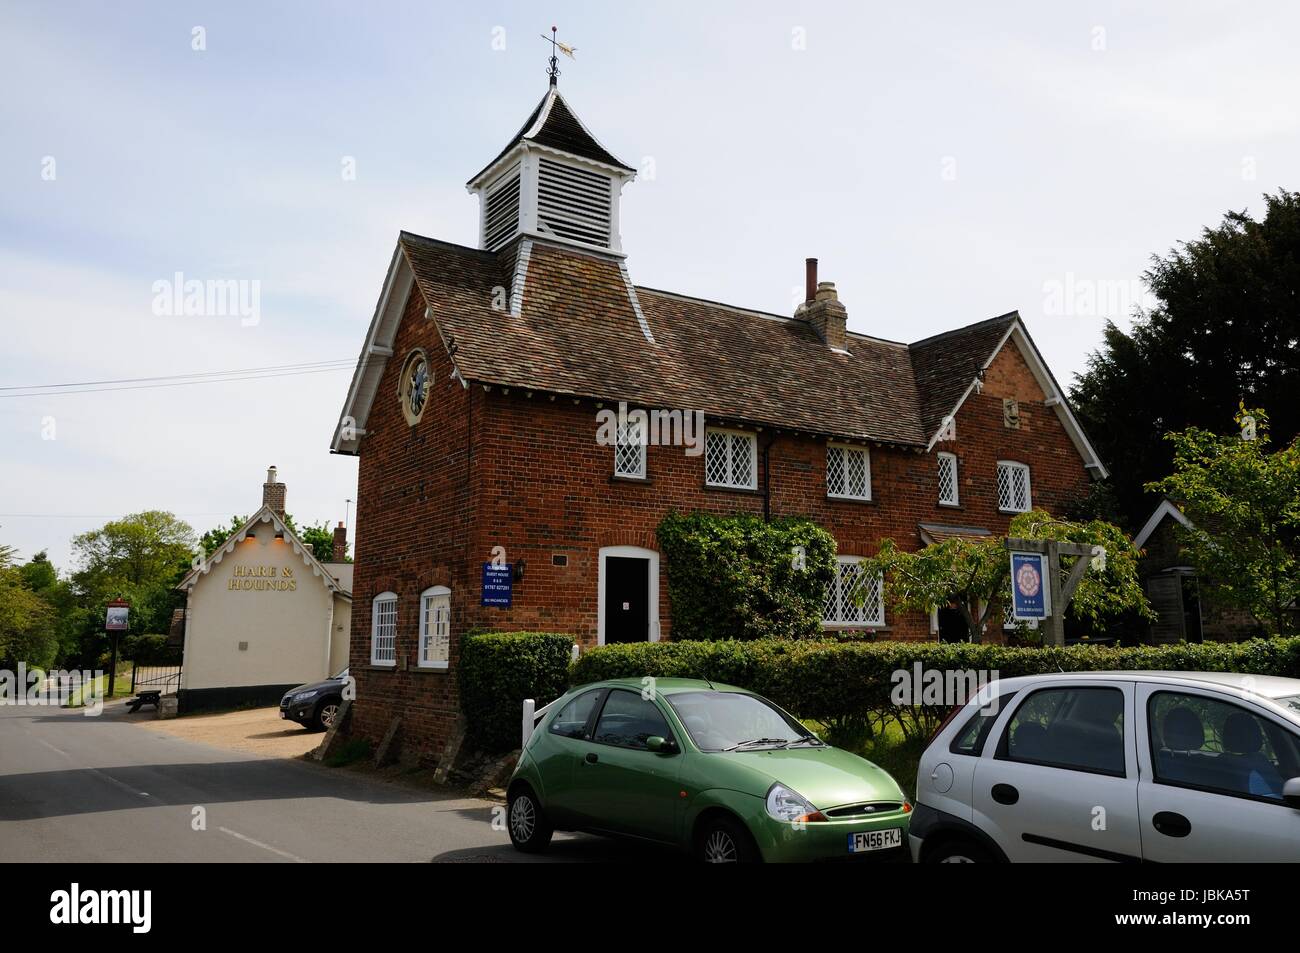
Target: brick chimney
[340,544]
[822,309]
[273,493]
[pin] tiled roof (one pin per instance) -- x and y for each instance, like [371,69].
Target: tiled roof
[560,129]
[578,333]
[945,365]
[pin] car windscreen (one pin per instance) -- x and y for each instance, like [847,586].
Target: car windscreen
[720,720]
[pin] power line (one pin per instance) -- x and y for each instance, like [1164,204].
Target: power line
[172,377]
[341,366]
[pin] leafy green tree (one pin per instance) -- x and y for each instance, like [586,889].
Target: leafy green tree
[1244,501]
[140,558]
[1225,329]
[27,632]
[973,576]
[70,617]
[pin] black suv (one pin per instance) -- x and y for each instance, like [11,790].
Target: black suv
[315,706]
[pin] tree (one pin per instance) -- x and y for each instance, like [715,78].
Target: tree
[140,557]
[1244,502]
[1225,329]
[70,617]
[973,576]
[26,620]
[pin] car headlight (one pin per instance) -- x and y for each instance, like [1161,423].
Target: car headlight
[784,804]
[305,696]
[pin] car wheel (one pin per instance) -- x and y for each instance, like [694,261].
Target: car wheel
[959,851]
[530,832]
[722,840]
[326,713]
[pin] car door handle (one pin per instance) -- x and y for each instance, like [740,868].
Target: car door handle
[1005,794]
[1171,824]
[591,758]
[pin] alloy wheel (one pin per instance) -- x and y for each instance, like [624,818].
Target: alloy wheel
[523,818]
[328,714]
[719,848]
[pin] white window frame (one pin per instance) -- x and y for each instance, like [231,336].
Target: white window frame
[621,441]
[847,449]
[834,593]
[956,470]
[753,458]
[377,605]
[441,597]
[1029,495]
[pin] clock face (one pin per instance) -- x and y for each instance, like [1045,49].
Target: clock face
[417,386]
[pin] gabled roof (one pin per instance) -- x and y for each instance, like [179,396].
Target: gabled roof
[554,125]
[300,549]
[577,326]
[1166,508]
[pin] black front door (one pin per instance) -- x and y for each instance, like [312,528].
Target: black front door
[627,599]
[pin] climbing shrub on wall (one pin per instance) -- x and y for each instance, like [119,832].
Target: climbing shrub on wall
[738,577]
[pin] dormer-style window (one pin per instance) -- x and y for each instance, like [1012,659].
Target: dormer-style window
[730,459]
[848,472]
[630,450]
[947,473]
[1013,487]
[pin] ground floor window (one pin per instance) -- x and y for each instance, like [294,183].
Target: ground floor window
[435,627]
[842,596]
[383,629]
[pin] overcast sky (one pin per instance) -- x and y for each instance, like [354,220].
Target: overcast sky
[946,162]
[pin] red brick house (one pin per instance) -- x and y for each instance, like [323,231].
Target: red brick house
[476,402]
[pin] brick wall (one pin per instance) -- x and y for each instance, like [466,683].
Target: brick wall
[488,468]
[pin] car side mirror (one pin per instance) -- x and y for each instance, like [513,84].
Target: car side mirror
[668,746]
[1291,792]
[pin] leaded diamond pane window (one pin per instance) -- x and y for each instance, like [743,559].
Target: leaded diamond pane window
[852,598]
[848,472]
[730,459]
[629,451]
[1013,487]
[948,479]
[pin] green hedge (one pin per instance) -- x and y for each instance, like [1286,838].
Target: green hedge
[739,577]
[498,670]
[847,685]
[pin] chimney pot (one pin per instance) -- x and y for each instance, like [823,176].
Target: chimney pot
[810,279]
[273,493]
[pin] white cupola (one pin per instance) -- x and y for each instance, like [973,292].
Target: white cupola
[554,181]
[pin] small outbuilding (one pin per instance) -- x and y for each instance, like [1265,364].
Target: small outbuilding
[264,614]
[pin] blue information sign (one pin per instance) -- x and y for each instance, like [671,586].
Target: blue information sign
[497,585]
[1029,592]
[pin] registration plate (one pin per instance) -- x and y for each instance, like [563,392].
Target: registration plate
[875,840]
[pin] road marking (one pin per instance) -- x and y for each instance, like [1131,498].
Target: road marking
[257,843]
[52,748]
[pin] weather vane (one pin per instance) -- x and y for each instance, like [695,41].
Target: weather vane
[554,71]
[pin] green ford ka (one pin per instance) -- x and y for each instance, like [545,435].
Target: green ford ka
[705,767]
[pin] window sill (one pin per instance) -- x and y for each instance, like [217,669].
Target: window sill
[950,506]
[835,498]
[745,490]
[382,667]
[621,478]
[1013,512]
[432,667]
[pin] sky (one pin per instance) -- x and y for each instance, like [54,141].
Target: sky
[946,163]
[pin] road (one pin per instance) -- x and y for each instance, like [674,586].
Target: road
[83,789]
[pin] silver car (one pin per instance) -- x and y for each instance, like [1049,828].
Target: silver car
[1115,766]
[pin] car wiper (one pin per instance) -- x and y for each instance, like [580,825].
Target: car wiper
[807,740]
[758,741]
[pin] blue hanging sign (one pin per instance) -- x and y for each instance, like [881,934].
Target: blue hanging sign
[498,584]
[1030,598]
